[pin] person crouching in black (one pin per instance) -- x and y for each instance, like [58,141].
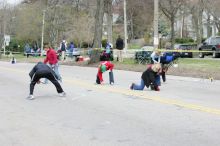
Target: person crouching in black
[39,71]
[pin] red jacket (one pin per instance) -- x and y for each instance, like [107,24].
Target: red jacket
[109,66]
[51,57]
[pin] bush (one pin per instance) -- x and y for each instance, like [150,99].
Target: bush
[85,45]
[21,44]
[104,43]
[13,45]
[184,40]
[94,55]
[203,39]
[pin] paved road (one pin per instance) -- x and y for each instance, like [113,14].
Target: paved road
[186,112]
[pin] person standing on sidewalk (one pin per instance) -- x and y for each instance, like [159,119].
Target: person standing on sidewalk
[71,49]
[119,46]
[42,70]
[63,47]
[51,59]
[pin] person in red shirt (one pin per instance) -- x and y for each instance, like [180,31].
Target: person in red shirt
[51,59]
[104,66]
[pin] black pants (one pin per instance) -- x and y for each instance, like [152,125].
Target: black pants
[49,76]
[98,80]
[163,74]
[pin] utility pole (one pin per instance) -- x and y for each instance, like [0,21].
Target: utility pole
[4,28]
[4,35]
[125,28]
[156,37]
[42,34]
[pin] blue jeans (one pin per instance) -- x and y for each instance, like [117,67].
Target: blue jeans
[139,87]
[158,80]
[55,69]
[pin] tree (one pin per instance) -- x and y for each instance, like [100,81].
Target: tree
[108,10]
[28,23]
[70,19]
[196,8]
[6,16]
[98,23]
[212,8]
[170,9]
[139,17]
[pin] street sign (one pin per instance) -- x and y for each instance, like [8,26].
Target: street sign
[7,40]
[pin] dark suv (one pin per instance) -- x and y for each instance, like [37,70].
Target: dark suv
[211,44]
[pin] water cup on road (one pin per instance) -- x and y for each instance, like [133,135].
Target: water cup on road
[175,65]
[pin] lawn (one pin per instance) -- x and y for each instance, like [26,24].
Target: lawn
[209,63]
[200,68]
[190,67]
[22,58]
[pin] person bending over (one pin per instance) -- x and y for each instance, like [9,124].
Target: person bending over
[155,57]
[42,70]
[103,67]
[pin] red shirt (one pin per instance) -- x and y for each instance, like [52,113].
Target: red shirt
[51,57]
[109,66]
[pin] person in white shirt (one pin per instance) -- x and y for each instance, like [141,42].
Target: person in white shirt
[63,47]
[155,57]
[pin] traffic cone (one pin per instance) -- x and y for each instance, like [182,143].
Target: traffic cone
[13,60]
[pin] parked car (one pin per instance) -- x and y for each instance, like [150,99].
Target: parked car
[211,44]
[182,47]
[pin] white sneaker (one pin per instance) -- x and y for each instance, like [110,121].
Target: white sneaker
[63,94]
[30,97]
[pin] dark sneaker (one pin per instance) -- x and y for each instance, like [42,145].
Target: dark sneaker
[152,87]
[132,85]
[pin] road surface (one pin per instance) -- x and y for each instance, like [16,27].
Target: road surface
[186,112]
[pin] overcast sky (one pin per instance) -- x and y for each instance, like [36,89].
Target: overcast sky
[11,1]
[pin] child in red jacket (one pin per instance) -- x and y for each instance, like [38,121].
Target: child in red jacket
[104,66]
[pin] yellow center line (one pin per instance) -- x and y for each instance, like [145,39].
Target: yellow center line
[142,95]
[128,92]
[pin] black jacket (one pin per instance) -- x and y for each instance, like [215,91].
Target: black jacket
[119,44]
[41,68]
[149,77]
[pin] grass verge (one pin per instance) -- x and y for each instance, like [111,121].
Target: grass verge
[190,67]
